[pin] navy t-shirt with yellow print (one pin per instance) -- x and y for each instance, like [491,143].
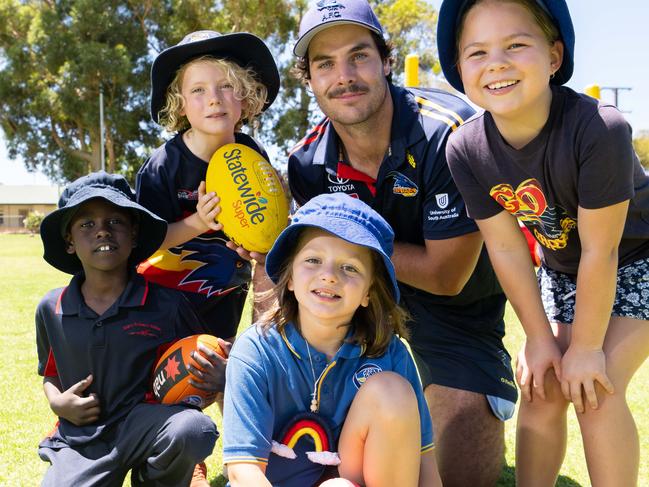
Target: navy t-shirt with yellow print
[583,157]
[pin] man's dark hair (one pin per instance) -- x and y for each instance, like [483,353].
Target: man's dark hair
[300,69]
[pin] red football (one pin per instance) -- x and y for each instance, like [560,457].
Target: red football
[171,377]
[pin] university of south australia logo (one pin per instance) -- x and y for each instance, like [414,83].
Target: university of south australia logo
[442,200]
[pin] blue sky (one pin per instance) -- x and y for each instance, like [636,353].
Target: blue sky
[612,49]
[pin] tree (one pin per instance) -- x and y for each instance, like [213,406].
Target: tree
[641,146]
[33,221]
[57,55]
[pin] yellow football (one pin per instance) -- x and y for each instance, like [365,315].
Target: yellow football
[254,206]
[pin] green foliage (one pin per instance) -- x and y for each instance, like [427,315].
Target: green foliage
[412,28]
[641,146]
[33,221]
[56,56]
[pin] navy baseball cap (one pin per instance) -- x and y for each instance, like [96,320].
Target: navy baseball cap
[343,216]
[114,189]
[451,12]
[328,13]
[247,50]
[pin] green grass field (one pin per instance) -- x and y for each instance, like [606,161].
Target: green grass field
[25,417]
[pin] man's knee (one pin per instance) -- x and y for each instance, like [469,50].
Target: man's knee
[469,439]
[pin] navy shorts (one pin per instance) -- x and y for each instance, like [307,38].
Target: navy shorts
[559,291]
[468,356]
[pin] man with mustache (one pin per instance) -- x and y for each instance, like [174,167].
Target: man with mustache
[385,145]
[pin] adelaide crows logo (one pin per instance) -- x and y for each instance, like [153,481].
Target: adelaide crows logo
[203,265]
[402,185]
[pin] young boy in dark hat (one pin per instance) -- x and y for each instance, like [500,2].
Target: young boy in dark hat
[98,339]
[204,88]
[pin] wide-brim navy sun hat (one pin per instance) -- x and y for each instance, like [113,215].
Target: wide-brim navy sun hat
[328,13]
[450,14]
[114,189]
[243,48]
[343,216]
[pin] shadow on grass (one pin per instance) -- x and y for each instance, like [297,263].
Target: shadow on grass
[508,479]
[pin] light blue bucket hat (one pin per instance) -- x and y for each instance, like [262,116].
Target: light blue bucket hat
[345,217]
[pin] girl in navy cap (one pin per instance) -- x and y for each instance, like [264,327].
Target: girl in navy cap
[324,371]
[563,164]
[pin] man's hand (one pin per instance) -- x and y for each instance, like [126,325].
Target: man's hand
[210,373]
[72,405]
[245,254]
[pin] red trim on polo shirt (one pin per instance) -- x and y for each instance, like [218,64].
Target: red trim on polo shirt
[348,172]
[50,366]
[146,292]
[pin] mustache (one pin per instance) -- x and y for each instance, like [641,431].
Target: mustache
[347,89]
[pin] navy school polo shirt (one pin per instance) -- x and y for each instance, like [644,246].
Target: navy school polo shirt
[119,348]
[203,267]
[414,190]
[269,383]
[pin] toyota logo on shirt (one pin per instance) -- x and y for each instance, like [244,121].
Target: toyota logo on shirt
[339,184]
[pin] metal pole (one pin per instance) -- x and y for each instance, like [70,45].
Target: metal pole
[101,128]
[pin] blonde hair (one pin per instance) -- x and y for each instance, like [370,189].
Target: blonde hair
[247,89]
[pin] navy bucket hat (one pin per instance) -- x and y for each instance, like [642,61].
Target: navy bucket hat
[114,189]
[343,216]
[450,14]
[243,48]
[327,13]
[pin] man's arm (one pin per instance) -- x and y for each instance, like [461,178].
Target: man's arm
[441,267]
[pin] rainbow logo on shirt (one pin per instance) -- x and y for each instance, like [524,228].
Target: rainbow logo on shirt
[310,425]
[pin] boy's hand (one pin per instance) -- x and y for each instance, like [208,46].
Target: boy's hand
[208,208]
[246,255]
[211,375]
[72,405]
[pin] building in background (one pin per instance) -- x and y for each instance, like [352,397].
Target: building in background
[17,201]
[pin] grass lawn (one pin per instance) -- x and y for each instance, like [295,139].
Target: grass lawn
[25,417]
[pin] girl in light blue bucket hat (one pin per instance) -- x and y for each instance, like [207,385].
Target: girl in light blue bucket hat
[322,387]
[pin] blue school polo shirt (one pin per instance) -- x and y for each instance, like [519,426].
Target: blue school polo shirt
[269,383]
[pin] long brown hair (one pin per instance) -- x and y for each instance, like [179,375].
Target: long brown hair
[373,325]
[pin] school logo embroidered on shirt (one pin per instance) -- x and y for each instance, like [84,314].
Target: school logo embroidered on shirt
[187,194]
[402,185]
[442,200]
[365,372]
